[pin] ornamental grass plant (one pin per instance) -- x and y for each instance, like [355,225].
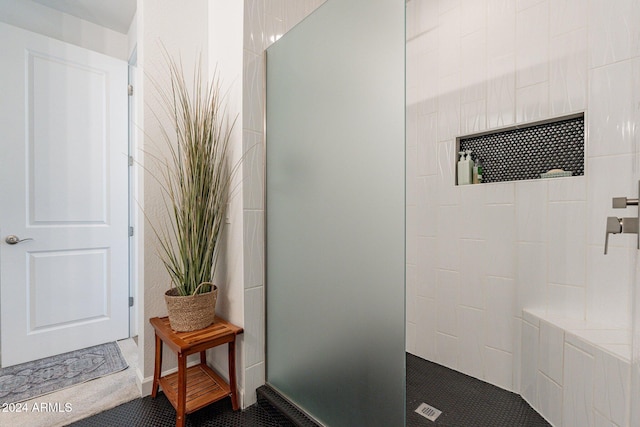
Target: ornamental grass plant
[195,177]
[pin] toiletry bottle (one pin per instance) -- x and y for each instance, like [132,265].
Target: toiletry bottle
[477,172]
[461,173]
[465,168]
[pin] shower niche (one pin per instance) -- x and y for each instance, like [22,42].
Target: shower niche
[544,149]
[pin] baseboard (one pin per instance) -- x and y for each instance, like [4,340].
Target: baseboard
[144,384]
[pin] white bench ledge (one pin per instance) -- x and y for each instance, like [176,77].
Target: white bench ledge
[584,334]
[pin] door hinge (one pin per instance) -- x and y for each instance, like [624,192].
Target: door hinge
[130,90]
[130,231]
[130,160]
[130,301]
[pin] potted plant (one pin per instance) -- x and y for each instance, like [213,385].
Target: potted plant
[195,179]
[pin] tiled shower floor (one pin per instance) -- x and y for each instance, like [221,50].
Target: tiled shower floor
[463,400]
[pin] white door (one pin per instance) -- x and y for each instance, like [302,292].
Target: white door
[63,184]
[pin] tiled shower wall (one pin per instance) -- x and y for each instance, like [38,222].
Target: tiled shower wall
[478,254]
[265,21]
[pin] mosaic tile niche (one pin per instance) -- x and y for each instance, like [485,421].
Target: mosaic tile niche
[527,150]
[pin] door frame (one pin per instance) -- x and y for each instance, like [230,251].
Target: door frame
[132,144]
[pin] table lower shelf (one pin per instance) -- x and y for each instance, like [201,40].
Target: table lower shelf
[204,387]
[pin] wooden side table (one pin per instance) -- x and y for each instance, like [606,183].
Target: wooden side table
[191,389]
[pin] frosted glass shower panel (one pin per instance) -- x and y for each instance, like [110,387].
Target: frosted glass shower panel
[335,214]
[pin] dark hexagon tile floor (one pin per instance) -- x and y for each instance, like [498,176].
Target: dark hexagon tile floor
[158,412]
[464,401]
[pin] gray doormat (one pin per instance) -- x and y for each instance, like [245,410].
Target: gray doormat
[44,376]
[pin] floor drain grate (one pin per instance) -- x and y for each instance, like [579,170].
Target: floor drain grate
[428,411]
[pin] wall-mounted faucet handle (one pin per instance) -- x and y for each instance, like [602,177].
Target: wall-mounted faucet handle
[614,226]
[623,225]
[623,202]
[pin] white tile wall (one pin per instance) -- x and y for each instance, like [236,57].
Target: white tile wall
[448,194]
[448,107]
[449,42]
[567,16]
[447,296]
[264,22]
[601,421]
[532,44]
[531,206]
[612,107]
[411,288]
[427,267]
[568,301]
[412,236]
[473,209]
[608,295]
[501,92]
[474,64]
[531,281]
[411,182]
[486,64]
[254,256]
[449,249]
[578,382]
[498,367]
[532,102]
[253,331]
[613,31]
[447,350]
[566,237]
[473,17]
[473,255]
[603,184]
[411,338]
[501,236]
[549,399]
[568,72]
[426,147]
[550,359]
[611,387]
[471,345]
[572,189]
[529,364]
[517,352]
[426,338]
[500,303]
[500,193]
[501,28]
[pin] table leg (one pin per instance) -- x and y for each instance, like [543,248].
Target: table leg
[157,367]
[232,375]
[203,357]
[182,391]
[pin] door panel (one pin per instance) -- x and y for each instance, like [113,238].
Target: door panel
[61,96]
[50,288]
[63,184]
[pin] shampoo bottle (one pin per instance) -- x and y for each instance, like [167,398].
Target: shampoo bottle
[460,163]
[465,168]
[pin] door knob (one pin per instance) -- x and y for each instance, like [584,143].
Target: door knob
[12,239]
